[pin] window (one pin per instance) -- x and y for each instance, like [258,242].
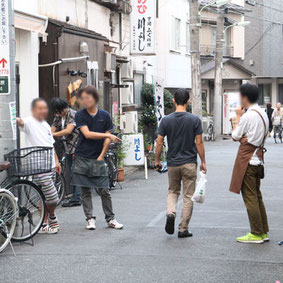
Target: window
[176,32]
[139,81]
[280,93]
[264,94]
[188,43]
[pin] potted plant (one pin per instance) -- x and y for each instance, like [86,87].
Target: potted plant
[120,154]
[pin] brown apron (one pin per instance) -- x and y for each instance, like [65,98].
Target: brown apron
[244,156]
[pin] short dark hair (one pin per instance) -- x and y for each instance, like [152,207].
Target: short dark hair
[250,91]
[181,96]
[58,104]
[34,102]
[91,90]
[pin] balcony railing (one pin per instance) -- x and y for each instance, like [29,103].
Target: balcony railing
[209,50]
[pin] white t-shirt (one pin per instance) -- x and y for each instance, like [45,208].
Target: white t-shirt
[38,133]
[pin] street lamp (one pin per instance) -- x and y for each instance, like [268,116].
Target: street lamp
[239,24]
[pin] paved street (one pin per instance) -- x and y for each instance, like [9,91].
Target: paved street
[143,252]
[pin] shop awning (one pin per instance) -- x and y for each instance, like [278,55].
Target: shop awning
[30,22]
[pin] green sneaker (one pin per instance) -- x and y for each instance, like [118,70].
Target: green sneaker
[265,237]
[250,238]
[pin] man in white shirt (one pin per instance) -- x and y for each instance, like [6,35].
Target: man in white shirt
[38,133]
[251,130]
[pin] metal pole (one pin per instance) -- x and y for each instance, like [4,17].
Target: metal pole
[7,79]
[196,97]
[218,92]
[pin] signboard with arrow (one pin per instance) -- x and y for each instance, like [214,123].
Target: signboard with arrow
[4,49]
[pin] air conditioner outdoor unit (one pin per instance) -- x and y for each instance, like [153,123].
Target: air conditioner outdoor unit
[127,94]
[127,70]
[130,122]
[110,62]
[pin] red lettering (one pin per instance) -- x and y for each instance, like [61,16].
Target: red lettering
[142,9]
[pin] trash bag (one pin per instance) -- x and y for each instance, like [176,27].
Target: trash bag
[199,194]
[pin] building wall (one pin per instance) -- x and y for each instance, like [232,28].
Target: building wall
[237,33]
[264,40]
[27,49]
[82,13]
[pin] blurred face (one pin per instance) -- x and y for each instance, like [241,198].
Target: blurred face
[87,100]
[244,101]
[40,111]
[63,113]
[278,105]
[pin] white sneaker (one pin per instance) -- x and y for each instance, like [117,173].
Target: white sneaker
[91,224]
[115,224]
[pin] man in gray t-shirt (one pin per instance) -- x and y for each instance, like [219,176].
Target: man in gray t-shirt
[181,129]
[184,135]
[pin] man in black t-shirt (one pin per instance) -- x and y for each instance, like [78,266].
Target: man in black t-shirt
[184,135]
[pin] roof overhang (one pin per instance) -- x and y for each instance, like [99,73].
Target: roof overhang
[30,22]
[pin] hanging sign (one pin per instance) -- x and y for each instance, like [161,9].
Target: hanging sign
[4,49]
[143,27]
[158,89]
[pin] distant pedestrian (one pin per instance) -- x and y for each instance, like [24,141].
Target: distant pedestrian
[251,130]
[64,129]
[38,133]
[269,111]
[89,169]
[277,120]
[184,135]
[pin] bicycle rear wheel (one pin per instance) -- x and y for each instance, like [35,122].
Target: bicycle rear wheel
[8,211]
[31,209]
[112,171]
[60,185]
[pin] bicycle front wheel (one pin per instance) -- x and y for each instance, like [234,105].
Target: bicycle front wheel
[8,211]
[31,209]
[60,185]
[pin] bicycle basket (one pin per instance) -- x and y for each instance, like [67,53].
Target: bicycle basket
[30,161]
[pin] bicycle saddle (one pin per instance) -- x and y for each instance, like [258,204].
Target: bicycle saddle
[4,165]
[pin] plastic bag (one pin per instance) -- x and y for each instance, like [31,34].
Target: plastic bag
[199,194]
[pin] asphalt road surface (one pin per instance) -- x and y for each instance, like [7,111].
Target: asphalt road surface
[143,252]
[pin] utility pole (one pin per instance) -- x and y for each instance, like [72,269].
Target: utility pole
[196,97]
[217,111]
[7,79]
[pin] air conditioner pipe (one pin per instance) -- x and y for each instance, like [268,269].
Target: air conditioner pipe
[65,60]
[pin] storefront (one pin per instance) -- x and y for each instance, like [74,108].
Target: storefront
[71,57]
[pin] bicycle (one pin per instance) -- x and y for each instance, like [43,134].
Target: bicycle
[60,181]
[31,209]
[111,162]
[8,211]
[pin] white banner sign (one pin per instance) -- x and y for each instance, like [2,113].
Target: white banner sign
[231,101]
[4,49]
[158,88]
[134,149]
[143,27]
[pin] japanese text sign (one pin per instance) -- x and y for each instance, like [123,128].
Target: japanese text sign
[143,27]
[158,88]
[134,149]
[4,49]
